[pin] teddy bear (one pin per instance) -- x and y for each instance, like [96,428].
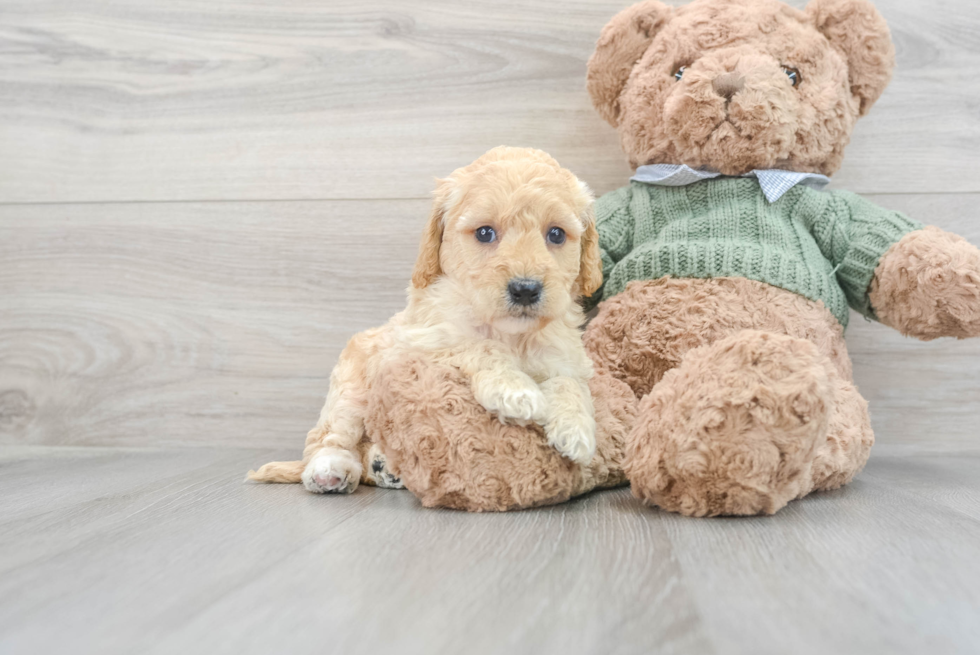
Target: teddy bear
[728,271]
[727,276]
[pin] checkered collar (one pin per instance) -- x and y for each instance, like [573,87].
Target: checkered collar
[774,182]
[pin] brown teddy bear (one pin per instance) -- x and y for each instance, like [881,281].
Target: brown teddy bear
[727,276]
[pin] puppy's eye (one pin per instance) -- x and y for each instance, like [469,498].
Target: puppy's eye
[793,74]
[485,234]
[679,73]
[556,235]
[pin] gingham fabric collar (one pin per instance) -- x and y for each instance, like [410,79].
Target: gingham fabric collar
[774,182]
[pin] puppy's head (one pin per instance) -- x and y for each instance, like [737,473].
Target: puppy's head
[515,234]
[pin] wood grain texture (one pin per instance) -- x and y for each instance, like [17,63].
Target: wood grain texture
[212,323]
[218,323]
[872,568]
[231,100]
[163,551]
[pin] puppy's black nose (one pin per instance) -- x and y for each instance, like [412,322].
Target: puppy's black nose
[523,291]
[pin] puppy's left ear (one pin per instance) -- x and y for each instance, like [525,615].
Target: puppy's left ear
[427,266]
[590,262]
[860,34]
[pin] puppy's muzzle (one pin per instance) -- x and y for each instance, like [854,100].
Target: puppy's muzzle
[524,292]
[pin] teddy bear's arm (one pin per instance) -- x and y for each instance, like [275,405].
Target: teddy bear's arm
[854,234]
[615,226]
[928,285]
[923,282]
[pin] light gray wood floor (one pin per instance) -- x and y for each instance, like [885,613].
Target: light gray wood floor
[200,201]
[112,550]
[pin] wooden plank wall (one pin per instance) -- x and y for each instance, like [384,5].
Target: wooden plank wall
[201,201]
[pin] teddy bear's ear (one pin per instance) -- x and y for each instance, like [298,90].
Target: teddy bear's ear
[860,34]
[622,42]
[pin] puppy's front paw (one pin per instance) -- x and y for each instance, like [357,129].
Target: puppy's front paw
[332,471]
[516,398]
[573,436]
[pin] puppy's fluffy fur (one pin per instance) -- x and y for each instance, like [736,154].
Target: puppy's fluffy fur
[525,362]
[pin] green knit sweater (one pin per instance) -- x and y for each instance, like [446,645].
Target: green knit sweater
[822,245]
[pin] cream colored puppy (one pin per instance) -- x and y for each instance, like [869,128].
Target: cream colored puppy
[509,248]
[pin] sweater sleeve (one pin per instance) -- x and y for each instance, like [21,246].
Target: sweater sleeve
[615,226]
[854,234]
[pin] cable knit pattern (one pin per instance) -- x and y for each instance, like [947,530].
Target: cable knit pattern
[822,245]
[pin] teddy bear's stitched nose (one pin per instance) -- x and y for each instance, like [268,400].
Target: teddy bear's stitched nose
[728,84]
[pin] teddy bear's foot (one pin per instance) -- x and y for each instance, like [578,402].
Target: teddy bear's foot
[847,447]
[734,429]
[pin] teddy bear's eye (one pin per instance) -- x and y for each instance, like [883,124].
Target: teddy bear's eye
[679,73]
[793,74]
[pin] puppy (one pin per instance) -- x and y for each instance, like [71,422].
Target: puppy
[510,247]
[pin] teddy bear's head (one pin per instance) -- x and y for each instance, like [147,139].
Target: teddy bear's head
[737,85]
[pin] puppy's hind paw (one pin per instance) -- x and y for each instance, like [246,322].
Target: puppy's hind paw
[573,437]
[332,470]
[381,475]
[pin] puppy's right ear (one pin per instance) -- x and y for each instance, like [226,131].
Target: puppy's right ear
[623,41]
[427,267]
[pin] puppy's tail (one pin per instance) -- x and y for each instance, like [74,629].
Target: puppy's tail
[286,472]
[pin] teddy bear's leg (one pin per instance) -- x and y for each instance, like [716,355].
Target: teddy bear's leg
[450,452]
[735,428]
[845,451]
[641,333]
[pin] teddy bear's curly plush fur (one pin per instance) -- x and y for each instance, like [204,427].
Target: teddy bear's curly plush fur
[450,452]
[738,379]
[747,395]
[746,398]
[841,48]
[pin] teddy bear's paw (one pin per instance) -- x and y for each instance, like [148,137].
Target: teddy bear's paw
[734,429]
[928,286]
[512,396]
[332,470]
[573,435]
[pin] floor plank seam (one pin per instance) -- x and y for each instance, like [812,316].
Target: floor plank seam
[204,201]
